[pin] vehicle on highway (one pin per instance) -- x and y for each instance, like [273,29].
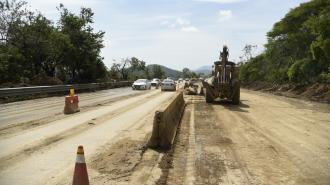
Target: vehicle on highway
[224,83]
[170,78]
[168,85]
[141,84]
[155,82]
[192,81]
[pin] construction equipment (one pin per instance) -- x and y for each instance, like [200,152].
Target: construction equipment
[224,82]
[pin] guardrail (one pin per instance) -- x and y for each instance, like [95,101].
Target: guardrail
[19,91]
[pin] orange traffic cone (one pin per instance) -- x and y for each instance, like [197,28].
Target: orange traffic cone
[80,176]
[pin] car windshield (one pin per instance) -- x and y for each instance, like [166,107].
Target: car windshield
[141,80]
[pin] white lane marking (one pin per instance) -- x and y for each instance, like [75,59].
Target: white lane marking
[190,166]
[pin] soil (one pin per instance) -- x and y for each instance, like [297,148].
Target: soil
[315,92]
[266,139]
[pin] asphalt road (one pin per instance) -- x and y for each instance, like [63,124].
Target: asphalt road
[43,153]
[31,110]
[266,139]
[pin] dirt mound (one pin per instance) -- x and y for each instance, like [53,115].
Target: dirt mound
[316,92]
[119,161]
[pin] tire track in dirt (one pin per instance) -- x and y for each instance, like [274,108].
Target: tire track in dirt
[263,140]
[191,155]
[19,112]
[16,143]
[93,139]
[29,149]
[12,129]
[271,142]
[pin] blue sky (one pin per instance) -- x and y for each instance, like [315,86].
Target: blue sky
[177,33]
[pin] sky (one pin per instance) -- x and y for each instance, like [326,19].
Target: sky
[176,33]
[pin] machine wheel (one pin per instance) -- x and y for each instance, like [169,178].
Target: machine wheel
[208,96]
[236,94]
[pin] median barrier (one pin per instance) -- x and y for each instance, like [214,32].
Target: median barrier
[166,121]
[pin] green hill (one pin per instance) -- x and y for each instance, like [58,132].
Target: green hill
[168,71]
[298,48]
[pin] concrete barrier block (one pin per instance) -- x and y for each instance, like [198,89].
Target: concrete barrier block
[71,104]
[166,121]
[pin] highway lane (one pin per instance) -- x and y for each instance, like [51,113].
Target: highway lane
[42,152]
[29,110]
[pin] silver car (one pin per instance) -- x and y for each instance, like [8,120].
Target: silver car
[141,84]
[168,85]
[155,82]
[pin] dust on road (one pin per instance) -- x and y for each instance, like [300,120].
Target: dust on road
[264,140]
[41,157]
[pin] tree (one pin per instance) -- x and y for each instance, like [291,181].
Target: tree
[124,68]
[298,48]
[13,16]
[158,72]
[83,56]
[137,64]
[11,13]
[33,48]
[186,73]
[147,73]
[248,51]
[115,71]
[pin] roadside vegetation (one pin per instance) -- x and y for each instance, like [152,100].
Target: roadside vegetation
[298,49]
[35,50]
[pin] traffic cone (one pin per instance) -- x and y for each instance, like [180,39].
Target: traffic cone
[80,176]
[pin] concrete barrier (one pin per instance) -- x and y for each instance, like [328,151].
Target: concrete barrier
[166,121]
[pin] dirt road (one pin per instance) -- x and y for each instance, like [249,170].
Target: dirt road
[266,139]
[44,153]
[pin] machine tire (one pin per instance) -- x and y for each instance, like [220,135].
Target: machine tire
[236,94]
[208,96]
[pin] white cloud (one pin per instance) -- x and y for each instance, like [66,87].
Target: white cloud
[224,15]
[179,23]
[220,1]
[189,29]
[182,22]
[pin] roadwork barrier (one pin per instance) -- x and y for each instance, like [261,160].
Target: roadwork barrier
[23,91]
[71,103]
[166,121]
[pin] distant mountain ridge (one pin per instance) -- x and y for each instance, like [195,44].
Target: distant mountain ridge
[168,71]
[177,74]
[204,69]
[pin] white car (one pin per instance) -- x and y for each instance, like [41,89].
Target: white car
[168,84]
[141,84]
[155,82]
